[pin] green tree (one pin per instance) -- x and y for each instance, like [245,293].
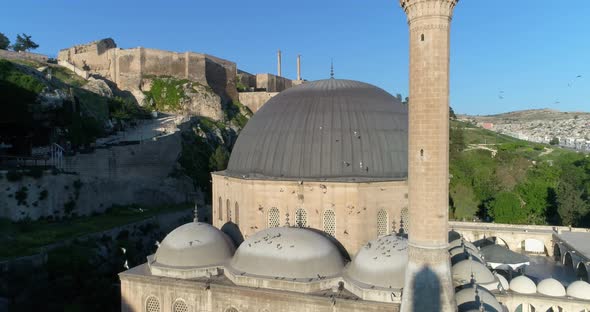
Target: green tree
[571,207]
[506,208]
[452,114]
[219,159]
[24,43]
[457,140]
[554,141]
[4,42]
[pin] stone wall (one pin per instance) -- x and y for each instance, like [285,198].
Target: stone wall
[224,296]
[272,83]
[127,67]
[128,174]
[246,79]
[255,100]
[13,55]
[356,205]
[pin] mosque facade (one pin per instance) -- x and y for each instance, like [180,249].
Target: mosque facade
[336,199]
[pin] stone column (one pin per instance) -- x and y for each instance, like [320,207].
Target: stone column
[428,284]
[298,67]
[279,63]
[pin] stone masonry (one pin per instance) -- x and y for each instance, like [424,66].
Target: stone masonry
[428,274]
[128,67]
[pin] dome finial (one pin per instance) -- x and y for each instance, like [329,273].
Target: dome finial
[196,212]
[332,68]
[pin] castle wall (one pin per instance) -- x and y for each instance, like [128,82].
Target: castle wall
[126,67]
[272,83]
[356,205]
[163,63]
[255,100]
[246,79]
[93,56]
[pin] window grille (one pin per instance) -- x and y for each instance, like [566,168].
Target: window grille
[405,224]
[152,305]
[180,306]
[273,217]
[237,214]
[330,222]
[301,217]
[382,222]
[228,210]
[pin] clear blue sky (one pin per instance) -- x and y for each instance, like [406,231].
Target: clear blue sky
[529,49]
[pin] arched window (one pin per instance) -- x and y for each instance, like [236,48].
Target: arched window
[152,304]
[405,222]
[330,222]
[382,222]
[228,210]
[273,217]
[301,217]
[179,306]
[237,214]
[220,209]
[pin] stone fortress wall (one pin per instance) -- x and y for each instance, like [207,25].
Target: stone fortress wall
[128,67]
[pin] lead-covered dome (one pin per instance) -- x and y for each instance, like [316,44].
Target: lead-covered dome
[523,285]
[194,244]
[284,252]
[551,287]
[579,290]
[381,262]
[329,129]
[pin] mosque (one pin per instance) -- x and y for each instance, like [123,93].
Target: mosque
[336,199]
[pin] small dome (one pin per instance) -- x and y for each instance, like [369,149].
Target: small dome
[579,290]
[461,242]
[503,281]
[470,300]
[551,287]
[288,252]
[194,244]
[381,262]
[463,270]
[461,253]
[523,285]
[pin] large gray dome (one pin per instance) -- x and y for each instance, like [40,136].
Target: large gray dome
[329,129]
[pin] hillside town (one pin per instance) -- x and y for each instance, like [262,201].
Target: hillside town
[566,129]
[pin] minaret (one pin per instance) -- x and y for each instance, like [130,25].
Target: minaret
[298,67]
[428,275]
[279,63]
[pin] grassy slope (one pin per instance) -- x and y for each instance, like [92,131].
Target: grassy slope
[21,239]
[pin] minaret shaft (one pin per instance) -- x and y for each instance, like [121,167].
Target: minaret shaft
[428,275]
